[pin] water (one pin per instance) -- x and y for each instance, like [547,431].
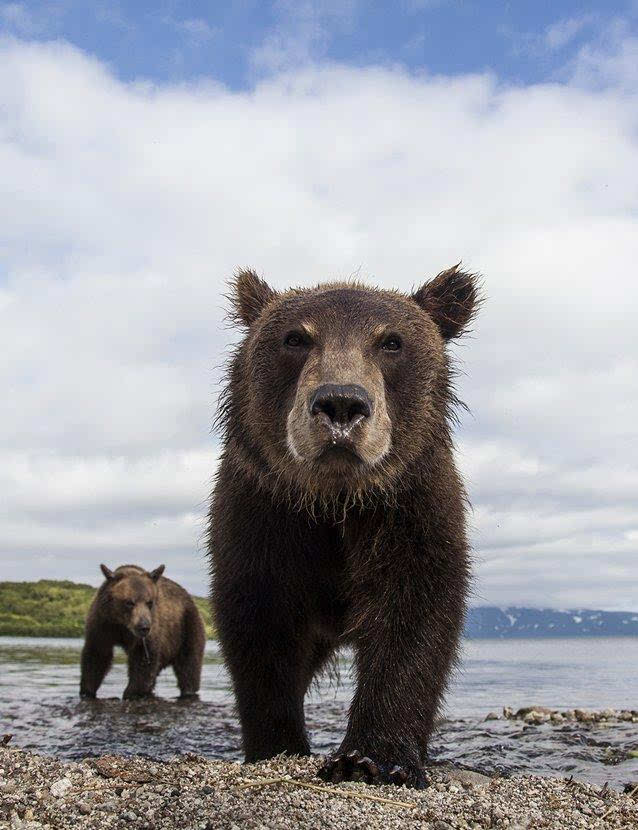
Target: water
[39,705]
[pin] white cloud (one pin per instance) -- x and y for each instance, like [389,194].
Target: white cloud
[302,32]
[18,17]
[126,206]
[563,32]
[197,29]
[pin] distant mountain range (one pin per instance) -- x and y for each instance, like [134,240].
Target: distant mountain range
[490,621]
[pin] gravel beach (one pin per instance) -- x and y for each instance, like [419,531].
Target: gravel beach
[192,793]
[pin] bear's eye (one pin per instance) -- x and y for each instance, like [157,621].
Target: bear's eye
[150,603]
[294,340]
[129,603]
[391,343]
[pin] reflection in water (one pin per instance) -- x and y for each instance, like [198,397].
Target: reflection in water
[39,705]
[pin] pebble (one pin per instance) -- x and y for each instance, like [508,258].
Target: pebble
[195,794]
[61,787]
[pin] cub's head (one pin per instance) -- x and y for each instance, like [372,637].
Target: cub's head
[339,388]
[131,593]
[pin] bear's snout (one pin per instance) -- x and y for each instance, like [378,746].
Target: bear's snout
[340,407]
[142,627]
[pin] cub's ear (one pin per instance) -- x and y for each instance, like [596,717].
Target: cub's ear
[249,295]
[451,299]
[155,575]
[108,573]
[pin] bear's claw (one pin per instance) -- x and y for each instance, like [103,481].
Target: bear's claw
[352,766]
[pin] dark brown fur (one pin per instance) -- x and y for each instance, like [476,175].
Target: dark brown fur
[157,624]
[326,532]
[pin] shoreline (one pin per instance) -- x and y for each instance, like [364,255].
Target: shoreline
[193,793]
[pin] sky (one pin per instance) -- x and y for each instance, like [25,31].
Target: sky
[148,150]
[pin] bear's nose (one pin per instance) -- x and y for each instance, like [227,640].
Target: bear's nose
[344,405]
[143,628]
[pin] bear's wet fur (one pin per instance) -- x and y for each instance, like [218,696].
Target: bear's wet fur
[157,624]
[338,514]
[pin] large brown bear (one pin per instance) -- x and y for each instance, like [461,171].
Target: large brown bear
[338,514]
[157,624]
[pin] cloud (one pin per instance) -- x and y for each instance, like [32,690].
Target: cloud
[610,60]
[560,34]
[18,18]
[416,6]
[196,29]
[302,32]
[39,20]
[125,206]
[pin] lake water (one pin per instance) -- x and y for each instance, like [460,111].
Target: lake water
[39,706]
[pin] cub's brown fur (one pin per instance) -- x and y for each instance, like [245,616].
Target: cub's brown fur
[338,514]
[154,620]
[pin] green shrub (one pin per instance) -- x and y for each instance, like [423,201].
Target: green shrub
[50,608]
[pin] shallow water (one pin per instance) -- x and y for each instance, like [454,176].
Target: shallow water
[39,705]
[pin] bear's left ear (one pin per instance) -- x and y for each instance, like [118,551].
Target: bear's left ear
[108,573]
[451,299]
[155,575]
[249,295]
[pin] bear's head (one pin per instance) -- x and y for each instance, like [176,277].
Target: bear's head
[131,595]
[338,389]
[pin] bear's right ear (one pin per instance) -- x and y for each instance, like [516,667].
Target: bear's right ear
[155,575]
[249,295]
[451,299]
[108,573]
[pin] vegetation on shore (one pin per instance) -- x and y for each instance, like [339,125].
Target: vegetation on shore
[52,608]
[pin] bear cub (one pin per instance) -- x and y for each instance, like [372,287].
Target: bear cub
[157,624]
[338,515]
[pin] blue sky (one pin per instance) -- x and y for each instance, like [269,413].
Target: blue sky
[237,42]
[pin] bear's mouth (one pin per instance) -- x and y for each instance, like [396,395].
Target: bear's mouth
[339,451]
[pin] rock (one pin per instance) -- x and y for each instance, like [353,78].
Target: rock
[539,710]
[60,788]
[83,807]
[492,716]
[536,717]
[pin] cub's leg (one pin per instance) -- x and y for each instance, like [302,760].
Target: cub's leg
[188,663]
[96,660]
[143,668]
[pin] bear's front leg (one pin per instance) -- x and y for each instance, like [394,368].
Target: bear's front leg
[143,668]
[96,660]
[407,620]
[266,655]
